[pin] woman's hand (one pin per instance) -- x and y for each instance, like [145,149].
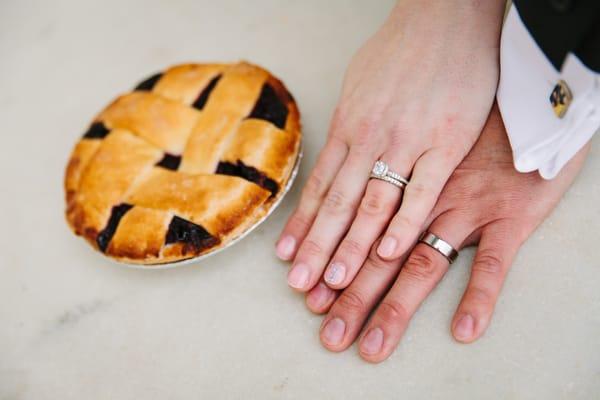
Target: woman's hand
[416,96]
[486,201]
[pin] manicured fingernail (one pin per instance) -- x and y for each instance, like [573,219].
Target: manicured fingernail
[298,276]
[335,273]
[387,246]
[333,332]
[464,327]
[285,247]
[318,296]
[372,342]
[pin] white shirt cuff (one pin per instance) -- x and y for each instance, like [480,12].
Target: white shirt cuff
[539,139]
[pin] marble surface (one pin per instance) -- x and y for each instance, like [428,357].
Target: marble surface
[73,325]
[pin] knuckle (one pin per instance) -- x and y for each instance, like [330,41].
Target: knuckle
[400,131]
[454,124]
[366,128]
[451,152]
[311,247]
[393,312]
[300,220]
[337,122]
[478,295]
[420,266]
[488,262]
[351,246]
[402,222]
[352,302]
[314,187]
[418,189]
[373,204]
[335,201]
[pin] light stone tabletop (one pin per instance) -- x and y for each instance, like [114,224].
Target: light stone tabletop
[75,326]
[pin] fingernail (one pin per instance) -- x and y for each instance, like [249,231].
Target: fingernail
[372,342]
[318,296]
[335,273]
[285,247]
[464,327]
[387,246]
[334,331]
[298,276]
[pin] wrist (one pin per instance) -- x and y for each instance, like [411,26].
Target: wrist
[474,21]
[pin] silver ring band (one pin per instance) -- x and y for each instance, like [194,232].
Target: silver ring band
[389,179]
[437,243]
[382,171]
[397,177]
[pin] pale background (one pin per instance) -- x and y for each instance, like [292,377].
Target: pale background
[74,326]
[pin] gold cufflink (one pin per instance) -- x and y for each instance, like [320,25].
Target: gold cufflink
[561,98]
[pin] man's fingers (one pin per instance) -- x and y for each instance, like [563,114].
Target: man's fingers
[497,249]
[320,298]
[351,309]
[329,162]
[430,173]
[420,273]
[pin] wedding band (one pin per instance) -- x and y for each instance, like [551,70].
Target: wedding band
[390,180]
[437,243]
[382,171]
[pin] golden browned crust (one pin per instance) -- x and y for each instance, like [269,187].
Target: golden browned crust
[122,203]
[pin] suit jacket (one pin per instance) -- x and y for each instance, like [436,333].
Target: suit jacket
[563,26]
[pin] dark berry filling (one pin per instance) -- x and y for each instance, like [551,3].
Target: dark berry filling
[106,235]
[149,83]
[270,107]
[203,97]
[249,173]
[96,131]
[170,161]
[194,237]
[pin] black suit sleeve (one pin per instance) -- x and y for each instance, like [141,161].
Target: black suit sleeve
[563,26]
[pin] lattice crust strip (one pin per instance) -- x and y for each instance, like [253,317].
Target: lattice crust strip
[108,176]
[163,123]
[188,161]
[185,83]
[221,118]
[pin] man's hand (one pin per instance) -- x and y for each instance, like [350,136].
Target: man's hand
[486,201]
[416,96]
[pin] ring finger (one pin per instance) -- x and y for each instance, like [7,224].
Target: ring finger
[380,201]
[329,162]
[421,272]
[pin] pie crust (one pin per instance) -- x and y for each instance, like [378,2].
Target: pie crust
[184,164]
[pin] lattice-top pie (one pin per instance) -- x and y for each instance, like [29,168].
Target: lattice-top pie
[184,164]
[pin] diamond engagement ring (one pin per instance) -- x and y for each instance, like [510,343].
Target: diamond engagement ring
[382,172]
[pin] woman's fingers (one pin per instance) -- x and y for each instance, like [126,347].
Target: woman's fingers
[328,164]
[419,275]
[333,218]
[497,249]
[429,176]
[350,310]
[377,206]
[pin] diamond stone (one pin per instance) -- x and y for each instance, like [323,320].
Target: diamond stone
[380,168]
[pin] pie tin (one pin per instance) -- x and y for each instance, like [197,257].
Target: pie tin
[193,260]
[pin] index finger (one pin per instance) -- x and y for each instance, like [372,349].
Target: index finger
[298,224]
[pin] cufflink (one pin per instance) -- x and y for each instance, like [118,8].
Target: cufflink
[561,98]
